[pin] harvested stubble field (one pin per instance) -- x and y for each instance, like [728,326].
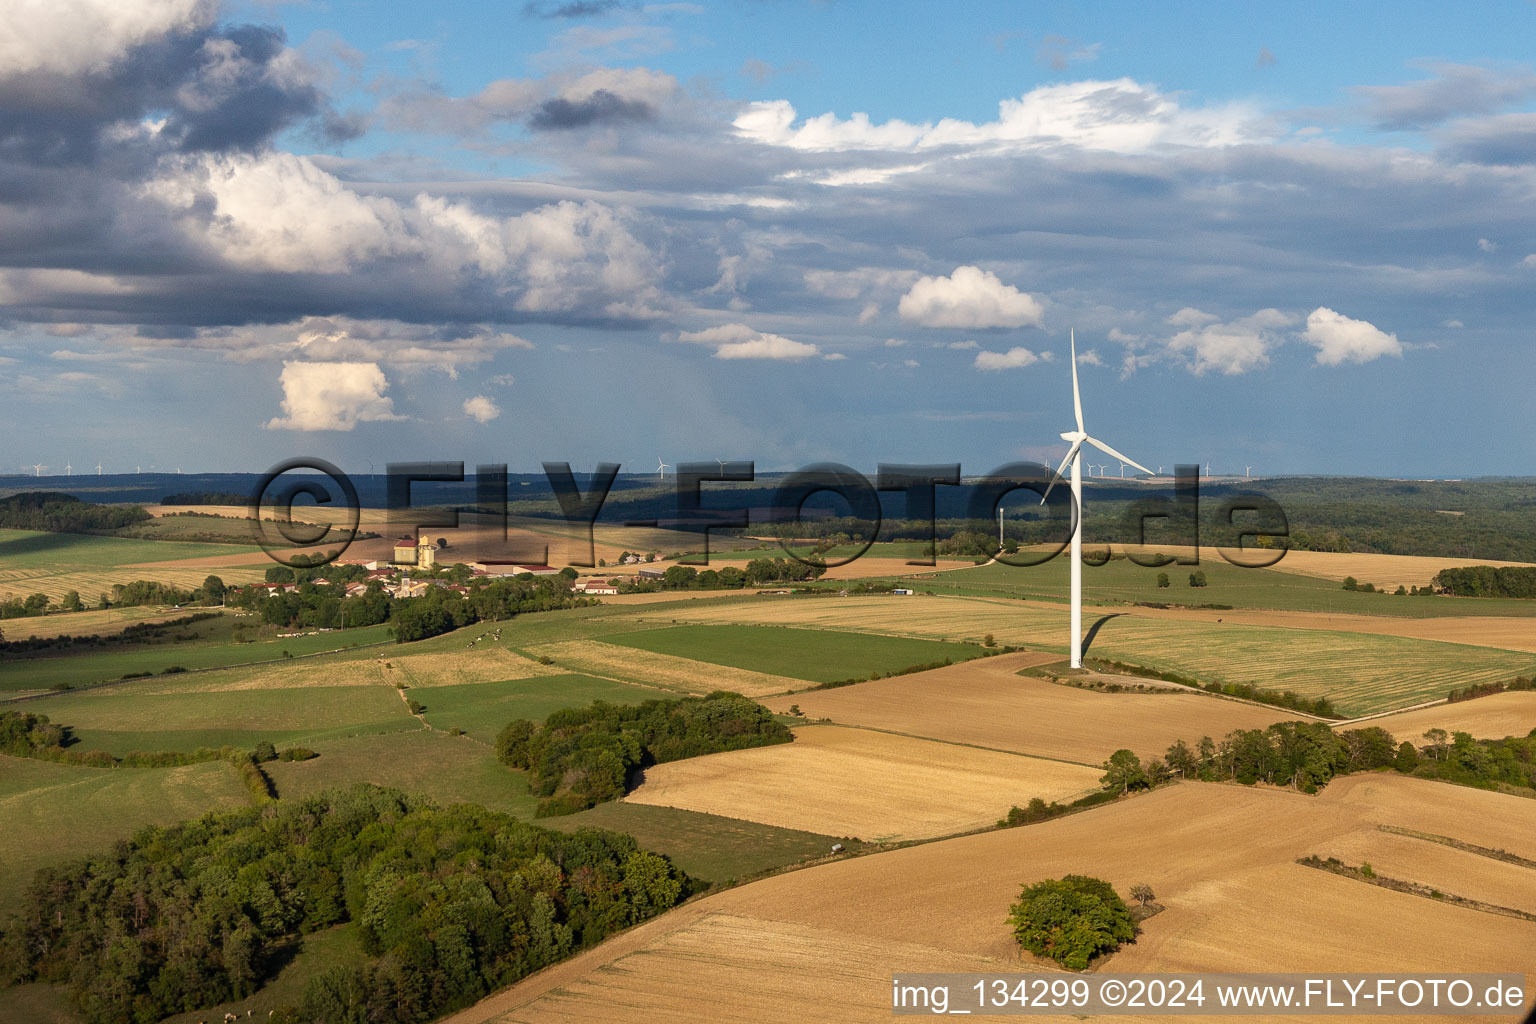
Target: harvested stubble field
[664,670]
[1505,632]
[986,703]
[856,782]
[1442,867]
[1360,672]
[1389,571]
[1220,858]
[1493,717]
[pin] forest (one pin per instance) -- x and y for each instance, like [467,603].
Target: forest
[449,903]
[64,513]
[581,757]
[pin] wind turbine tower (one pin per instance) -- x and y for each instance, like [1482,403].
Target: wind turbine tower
[661,469]
[1074,459]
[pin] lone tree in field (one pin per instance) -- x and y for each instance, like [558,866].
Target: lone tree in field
[1123,772]
[1071,920]
[1142,893]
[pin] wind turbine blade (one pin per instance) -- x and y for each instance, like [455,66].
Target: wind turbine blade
[1077,397]
[1107,450]
[1064,463]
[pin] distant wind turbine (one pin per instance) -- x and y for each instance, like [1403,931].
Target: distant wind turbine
[98,469]
[69,470]
[37,470]
[722,464]
[661,468]
[1075,459]
[1246,471]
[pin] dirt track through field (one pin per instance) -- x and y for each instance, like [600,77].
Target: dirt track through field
[871,785]
[1221,859]
[986,703]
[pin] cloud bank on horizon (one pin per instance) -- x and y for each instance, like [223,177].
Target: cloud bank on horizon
[364,249]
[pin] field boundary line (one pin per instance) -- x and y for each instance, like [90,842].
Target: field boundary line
[1503,856]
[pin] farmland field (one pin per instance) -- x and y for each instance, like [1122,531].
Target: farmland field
[815,655]
[987,704]
[1360,672]
[855,782]
[41,673]
[1220,858]
[481,709]
[89,623]
[54,811]
[119,719]
[664,670]
[1492,717]
[53,563]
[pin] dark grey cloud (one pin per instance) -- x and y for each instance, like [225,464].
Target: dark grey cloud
[1508,139]
[1456,90]
[602,107]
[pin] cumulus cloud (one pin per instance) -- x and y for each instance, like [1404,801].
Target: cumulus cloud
[970,297]
[332,396]
[1339,339]
[1121,116]
[481,409]
[1012,359]
[72,37]
[1234,347]
[1089,357]
[738,341]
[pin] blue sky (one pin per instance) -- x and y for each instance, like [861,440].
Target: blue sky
[1300,239]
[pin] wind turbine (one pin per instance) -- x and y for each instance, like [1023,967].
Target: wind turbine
[37,470]
[1075,459]
[69,470]
[1246,471]
[661,468]
[722,464]
[98,469]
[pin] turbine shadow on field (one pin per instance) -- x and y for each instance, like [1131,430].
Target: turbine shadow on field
[1093,630]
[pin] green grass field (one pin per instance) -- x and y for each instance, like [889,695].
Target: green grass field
[816,655]
[706,846]
[481,709]
[30,549]
[118,720]
[1122,580]
[303,960]
[53,812]
[449,769]
[82,669]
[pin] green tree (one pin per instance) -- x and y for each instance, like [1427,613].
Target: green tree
[1197,578]
[213,590]
[1071,920]
[1162,580]
[1407,758]
[264,752]
[1123,772]
[1142,893]
[1350,583]
[70,602]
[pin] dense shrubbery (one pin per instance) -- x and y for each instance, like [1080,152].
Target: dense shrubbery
[449,904]
[1305,755]
[206,498]
[1071,920]
[1488,581]
[758,572]
[64,513]
[1486,764]
[583,756]
[1489,689]
[1039,810]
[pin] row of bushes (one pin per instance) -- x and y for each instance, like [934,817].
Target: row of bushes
[581,757]
[1322,707]
[138,632]
[1039,810]
[1489,689]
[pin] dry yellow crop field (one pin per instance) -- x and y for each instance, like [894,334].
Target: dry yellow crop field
[187,574]
[1494,717]
[1434,864]
[594,657]
[855,782]
[984,702]
[1506,632]
[1383,570]
[1220,858]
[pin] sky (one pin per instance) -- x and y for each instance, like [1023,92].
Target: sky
[1296,240]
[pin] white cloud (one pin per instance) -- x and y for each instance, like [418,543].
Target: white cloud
[332,396]
[963,346]
[1340,339]
[1486,246]
[281,213]
[88,36]
[1529,261]
[1453,324]
[1089,357]
[738,341]
[870,311]
[894,342]
[481,409]
[833,357]
[1230,348]
[1013,358]
[1122,116]
[970,297]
